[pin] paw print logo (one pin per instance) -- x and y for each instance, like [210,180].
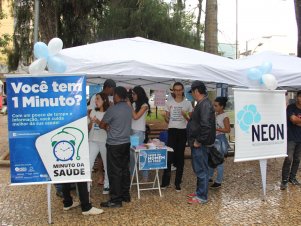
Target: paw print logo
[247,116]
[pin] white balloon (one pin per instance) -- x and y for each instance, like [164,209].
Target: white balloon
[38,66]
[269,81]
[55,45]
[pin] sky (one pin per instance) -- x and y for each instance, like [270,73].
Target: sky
[273,19]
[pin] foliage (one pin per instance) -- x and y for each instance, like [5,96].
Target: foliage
[79,22]
[23,33]
[152,19]
[4,38]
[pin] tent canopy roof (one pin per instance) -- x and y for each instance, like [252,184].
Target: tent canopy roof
[153,64]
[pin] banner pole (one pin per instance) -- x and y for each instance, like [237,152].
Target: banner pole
[263,170]
[49,202]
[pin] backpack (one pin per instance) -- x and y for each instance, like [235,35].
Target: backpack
[215,156]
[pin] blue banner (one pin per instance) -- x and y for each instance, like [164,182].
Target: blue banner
[150,159]
[47,120]
[93,89]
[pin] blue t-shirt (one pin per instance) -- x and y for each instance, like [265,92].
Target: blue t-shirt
[293,131]
[119,118]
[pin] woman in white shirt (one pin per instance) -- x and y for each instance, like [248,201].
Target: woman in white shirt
[141,108]
[98,136]
[178,111]
[222,127]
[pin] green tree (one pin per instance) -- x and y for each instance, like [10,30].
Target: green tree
[4,38]
[79,22]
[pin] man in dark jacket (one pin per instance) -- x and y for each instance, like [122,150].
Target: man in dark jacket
[201,132]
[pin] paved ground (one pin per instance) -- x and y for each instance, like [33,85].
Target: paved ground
[238,202]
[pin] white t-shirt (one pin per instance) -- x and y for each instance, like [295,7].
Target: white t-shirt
[139,124]
[175,109]
[96,133]
[219,120]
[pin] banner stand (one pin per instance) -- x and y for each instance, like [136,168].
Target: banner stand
[263,171]
[49,203]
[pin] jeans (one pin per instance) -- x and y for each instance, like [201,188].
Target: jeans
[141,135]
[199,158]
[224,146]
[292,161]
[83,195]
[118,157]
[95,148]
[177,141]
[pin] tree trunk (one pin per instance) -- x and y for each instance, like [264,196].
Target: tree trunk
[210,45]
[198,25]
[298,18]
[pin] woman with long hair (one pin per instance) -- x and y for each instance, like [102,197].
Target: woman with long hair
[222,127]
[141,108]
[98,136]
[178,111]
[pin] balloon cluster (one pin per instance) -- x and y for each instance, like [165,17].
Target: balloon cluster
[46,56]
[261,76]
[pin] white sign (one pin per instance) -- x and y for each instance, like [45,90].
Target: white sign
[260,124]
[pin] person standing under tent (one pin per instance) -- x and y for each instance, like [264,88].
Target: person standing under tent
[292,161]
[117,121]
[108,88]
[222,127]
[140,110]
[177,114]
[201,132]
[98,136]
[85,203]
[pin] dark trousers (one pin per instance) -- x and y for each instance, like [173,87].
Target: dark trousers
[177,141]
[82,192]
[292,161]
[118,159]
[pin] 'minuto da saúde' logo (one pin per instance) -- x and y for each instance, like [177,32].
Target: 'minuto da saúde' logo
[249,119]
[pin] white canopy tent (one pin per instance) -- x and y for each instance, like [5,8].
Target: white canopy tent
[152,64]
[286,69]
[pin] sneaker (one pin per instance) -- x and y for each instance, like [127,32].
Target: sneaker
[196,200]
[93,211]
[74,204]
[216,185]
[178,188]
[173,168]
[283,185]
[191,195]
[294,181]
[106,191]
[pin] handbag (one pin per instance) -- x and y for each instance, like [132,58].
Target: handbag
[215,157]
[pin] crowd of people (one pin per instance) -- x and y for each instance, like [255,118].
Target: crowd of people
[113,116]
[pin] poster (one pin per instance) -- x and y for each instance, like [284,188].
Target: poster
[150,159]
[47,123]
[260,124]
[160,98]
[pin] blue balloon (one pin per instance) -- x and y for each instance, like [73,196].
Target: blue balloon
[40,50]
[254,74]
[266,68]
[56,65]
